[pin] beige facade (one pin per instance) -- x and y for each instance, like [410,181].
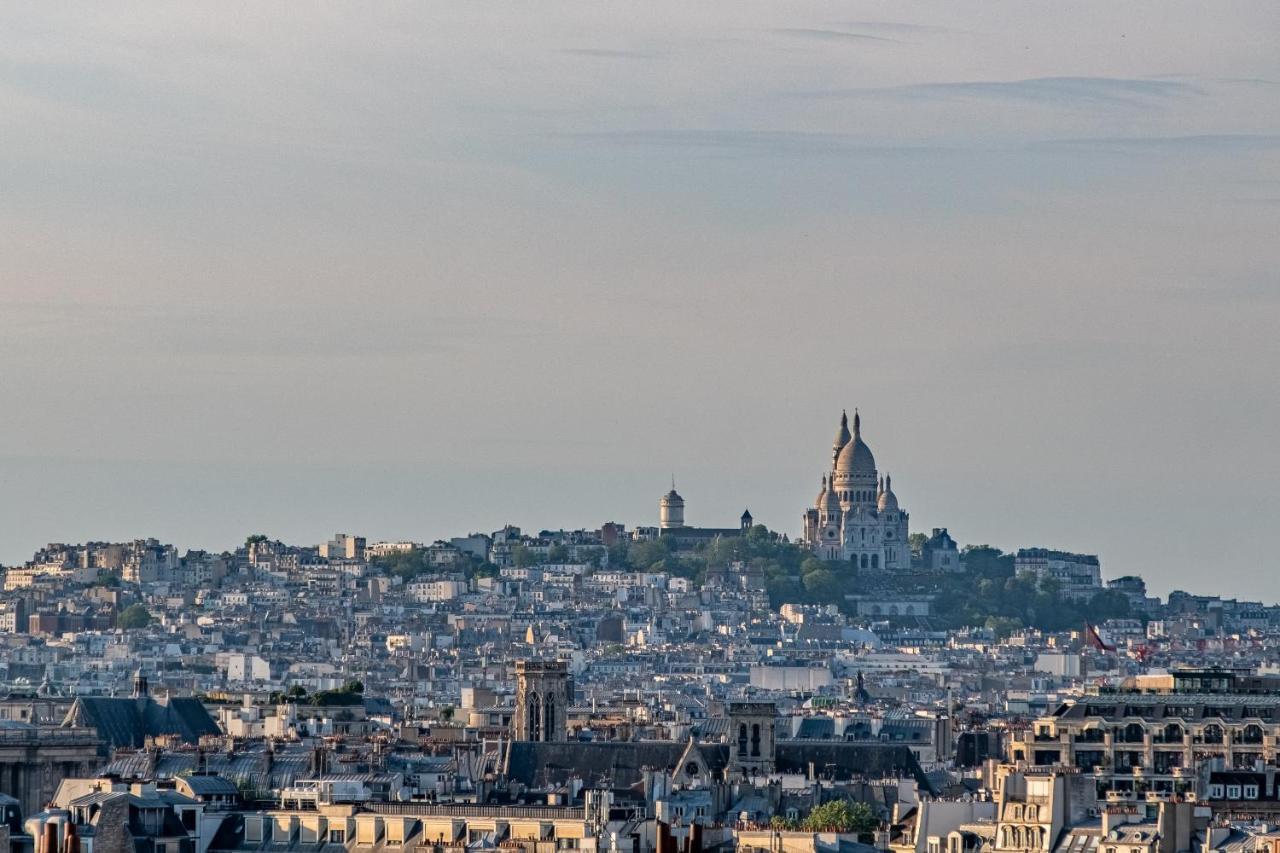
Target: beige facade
[1139,743]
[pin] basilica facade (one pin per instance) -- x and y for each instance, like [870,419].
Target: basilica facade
[856,516]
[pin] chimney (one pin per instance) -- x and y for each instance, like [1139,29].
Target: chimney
[50,844]
[695,837]
[665,844]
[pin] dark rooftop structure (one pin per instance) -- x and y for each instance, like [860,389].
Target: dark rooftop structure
[128,722]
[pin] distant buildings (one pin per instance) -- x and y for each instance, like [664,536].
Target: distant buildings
[1078,576]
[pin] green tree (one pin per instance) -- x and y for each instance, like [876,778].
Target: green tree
[823,587]
[1003,626]
[486,570]
[405,565]
[986,561]
[107,578]
[642,555]
[813,564]
[133,617]
[255,539]
[841,816]
[523,557]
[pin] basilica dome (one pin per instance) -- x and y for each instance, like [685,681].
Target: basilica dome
[855,457]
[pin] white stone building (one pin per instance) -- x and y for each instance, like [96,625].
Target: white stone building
[856,516]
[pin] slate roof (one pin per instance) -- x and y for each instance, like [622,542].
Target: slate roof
[1183,706]
[210,786]
[849,759]
[621,762]
[816,727]
[254,767]
[122,722]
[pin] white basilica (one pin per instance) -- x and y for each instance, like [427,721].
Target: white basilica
[856,516]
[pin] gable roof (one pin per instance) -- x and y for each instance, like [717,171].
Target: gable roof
[122,722]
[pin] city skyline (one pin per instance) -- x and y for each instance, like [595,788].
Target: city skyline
[717,516]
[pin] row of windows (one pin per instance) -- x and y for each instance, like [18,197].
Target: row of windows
[1171,733]
[866,496]
[1233,792]
[1015,837]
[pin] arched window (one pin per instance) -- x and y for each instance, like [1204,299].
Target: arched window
[742,739]
[534,709]
[875,561]
[549,717]
[755,740]
[1252,734]
[864,561]
[1213,733]
[1033,813]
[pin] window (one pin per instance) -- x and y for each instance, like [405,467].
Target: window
[337,836]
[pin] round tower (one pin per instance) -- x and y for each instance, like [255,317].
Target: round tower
[671,510]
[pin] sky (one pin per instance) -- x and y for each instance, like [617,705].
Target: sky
[409,270]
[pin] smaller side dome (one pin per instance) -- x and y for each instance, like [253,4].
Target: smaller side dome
[888,500]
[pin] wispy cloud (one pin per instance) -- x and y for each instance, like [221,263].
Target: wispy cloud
[768,142]
[896,27]
[1051,90]
[1215,142]
[1249,81]
[829,35]
[609,53]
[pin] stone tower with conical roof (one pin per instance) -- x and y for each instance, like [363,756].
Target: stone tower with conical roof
[671,509]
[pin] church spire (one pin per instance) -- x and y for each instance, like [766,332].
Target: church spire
[857,422]
[842,437]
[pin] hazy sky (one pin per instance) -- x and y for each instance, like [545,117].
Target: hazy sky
[414,269]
